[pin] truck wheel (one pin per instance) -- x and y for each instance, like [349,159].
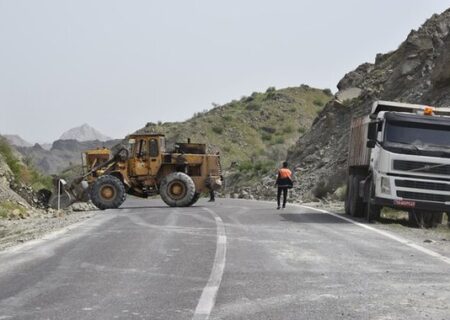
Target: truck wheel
[432,219]
[438,218]
[177,190]
[356,205]
[195,199]
[347,196]
[415,218]
[423,219]
[107,192]
[373,212]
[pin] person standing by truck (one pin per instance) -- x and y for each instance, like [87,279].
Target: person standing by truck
[284,182]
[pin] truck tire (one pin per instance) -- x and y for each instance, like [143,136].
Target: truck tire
[438,218]
[415,219]
[356,205]
[347,195]
[373,211]
[107,192]
[424,219]
[195,199]
[177,190]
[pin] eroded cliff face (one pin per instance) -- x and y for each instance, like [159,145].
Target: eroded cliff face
[417,72]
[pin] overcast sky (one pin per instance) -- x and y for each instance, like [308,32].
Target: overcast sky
[120,64]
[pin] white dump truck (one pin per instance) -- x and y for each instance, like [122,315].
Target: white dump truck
[399,157]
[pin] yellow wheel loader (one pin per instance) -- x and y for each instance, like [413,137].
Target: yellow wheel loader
[144,168]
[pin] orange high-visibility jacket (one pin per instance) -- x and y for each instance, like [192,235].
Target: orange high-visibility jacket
[284,179]
[284,173]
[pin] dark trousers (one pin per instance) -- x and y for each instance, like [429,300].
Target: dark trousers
[212,196]
[285,191]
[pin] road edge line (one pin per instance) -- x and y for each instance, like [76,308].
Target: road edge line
[384,233]
[208,298]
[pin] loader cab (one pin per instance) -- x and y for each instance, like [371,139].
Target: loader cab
[146,153]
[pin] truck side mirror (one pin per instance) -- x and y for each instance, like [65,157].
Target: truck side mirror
[372,131]
[371,144]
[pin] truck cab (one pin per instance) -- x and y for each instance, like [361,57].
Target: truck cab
[399,157]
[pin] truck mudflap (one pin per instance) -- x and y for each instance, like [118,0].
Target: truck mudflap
[409,204]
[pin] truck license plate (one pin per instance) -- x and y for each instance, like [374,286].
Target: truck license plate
[405,203]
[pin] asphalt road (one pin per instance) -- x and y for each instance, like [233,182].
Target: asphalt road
[233,259]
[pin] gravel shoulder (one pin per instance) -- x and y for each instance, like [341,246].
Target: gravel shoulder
[13,232]
[437,239]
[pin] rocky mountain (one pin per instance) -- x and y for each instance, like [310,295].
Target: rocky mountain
[16,140]
[84,133]
[62,154]
[417,72]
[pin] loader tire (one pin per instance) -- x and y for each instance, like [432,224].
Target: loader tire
[107,192]
[195,199]
[177,190]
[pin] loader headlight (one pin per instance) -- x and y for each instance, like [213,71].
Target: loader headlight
[385,185]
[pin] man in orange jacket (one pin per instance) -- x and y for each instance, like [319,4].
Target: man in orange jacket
[284,182]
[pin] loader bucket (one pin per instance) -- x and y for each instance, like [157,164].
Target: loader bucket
[61,201]
[62,196]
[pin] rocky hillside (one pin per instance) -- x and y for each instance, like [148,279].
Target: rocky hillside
[62,155]
[254,131]
[16,140]
[84,133]
[19,183]
[417,72]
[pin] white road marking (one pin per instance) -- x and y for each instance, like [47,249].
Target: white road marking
[385,234]
[209,294]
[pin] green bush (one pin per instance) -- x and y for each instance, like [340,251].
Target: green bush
[253,107]
[279,140]
[271,93]
[256,168]
[7,207]
[318,102]
[327,92]
[12,162]
[265,136]
[270,130]
[245,166]
[288,129]
[218,130]
[301,130]
[227,118]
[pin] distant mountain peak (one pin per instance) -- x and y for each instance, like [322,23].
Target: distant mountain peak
[84,133]
[16,140]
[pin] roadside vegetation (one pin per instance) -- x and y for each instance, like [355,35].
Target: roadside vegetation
[8,208]
[23,171]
